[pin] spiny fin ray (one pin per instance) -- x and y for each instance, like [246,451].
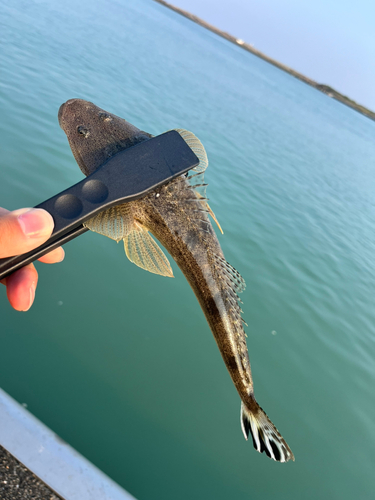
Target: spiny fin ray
[209,209]
[214,217]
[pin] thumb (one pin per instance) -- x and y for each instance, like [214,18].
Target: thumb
[24,229]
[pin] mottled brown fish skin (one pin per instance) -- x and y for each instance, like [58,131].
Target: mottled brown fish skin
[172,218]
[173,215]
[94,136]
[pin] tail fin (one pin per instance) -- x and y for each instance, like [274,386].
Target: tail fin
[266,438]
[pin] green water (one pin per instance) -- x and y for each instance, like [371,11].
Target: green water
[121,363]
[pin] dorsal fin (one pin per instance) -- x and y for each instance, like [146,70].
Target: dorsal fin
[196,175]
[195,144]
[144,252]
[231,274]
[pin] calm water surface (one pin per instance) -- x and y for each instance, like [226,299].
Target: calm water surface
[121,363]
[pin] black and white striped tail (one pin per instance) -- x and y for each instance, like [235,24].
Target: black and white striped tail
[266,438]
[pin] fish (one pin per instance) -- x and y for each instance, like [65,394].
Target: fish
[177,216]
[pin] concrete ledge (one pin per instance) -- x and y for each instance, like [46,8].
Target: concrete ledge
[56,463]
[17,482]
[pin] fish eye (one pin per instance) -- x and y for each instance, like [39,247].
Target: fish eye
[104,116]
[83,131]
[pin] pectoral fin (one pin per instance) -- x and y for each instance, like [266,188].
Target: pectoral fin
[143,251]
[118,224]
[115,222]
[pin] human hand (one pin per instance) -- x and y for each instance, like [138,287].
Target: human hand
[21,231]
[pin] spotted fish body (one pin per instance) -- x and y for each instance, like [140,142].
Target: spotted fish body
[177,216]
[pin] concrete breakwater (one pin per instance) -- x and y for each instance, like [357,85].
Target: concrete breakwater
[326,89]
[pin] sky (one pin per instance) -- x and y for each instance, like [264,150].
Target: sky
[329,41]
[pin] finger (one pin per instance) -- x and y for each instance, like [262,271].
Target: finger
[21,287]
[54,256]
[24,229]
[3,211]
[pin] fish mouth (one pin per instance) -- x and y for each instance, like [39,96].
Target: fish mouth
[70,103]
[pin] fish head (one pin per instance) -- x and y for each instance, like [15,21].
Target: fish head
[94,134]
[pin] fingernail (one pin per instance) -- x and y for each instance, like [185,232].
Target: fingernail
[62,257]
[32,295]
[34,222]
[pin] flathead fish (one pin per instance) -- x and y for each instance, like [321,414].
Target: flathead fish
[177,216]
